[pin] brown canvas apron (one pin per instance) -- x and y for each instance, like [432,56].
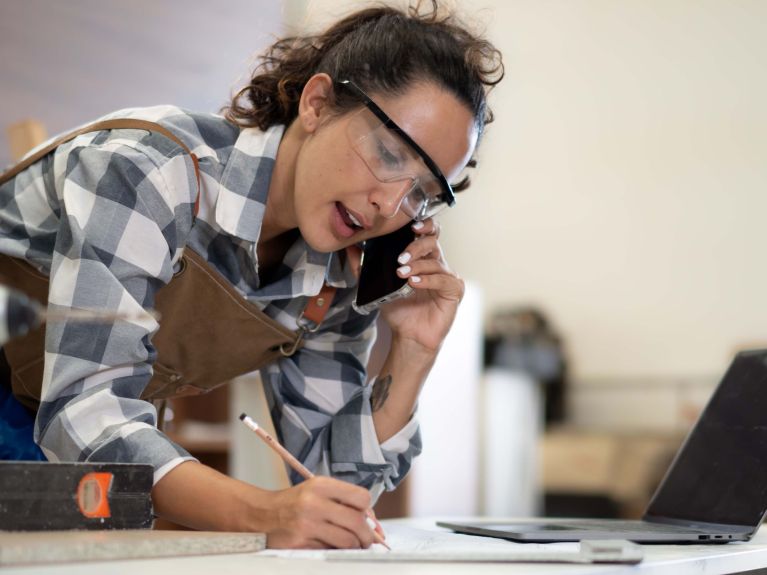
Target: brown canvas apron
[208,332]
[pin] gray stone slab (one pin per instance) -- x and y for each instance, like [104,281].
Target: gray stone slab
[73,546]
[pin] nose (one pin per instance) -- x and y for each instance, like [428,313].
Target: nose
[389,196]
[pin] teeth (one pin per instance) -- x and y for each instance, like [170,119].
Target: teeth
[354,220]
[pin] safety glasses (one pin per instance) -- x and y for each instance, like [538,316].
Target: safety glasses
[392,155]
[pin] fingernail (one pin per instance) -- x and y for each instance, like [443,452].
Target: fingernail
[404,270]
[415,279]
[417,225]
[404,258]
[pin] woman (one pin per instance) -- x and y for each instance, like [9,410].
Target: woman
[214,220]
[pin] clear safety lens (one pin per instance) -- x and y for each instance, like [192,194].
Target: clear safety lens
[390,159]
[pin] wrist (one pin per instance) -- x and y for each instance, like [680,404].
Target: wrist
[414,352]
[256,511]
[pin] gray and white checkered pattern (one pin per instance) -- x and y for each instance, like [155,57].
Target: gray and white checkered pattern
[107,216]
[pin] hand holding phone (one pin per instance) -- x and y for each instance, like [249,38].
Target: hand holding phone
[378,282]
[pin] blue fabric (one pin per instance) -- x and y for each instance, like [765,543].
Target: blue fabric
[16,430]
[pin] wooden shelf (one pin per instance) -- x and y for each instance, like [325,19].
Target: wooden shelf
[197,445]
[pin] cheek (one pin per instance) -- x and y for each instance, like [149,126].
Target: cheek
[346,167]
[324,171]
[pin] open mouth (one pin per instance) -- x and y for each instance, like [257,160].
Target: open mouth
[348,218]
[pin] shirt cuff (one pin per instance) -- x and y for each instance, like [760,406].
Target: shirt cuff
[143,444]
[162,471]
[400,441]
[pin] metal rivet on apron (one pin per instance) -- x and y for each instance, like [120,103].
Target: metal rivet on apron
[320,301]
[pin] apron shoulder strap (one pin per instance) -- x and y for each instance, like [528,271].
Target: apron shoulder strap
[113,124]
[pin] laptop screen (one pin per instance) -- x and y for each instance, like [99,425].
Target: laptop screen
[720,475]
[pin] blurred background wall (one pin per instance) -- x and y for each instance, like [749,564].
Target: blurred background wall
[623,186]
[65,63]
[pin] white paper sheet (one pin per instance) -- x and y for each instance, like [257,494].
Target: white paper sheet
[421,545]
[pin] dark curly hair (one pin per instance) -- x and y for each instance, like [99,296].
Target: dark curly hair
[383,50]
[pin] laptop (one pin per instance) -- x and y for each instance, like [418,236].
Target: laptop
[715,490]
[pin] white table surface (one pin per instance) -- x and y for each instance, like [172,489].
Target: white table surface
[659,560]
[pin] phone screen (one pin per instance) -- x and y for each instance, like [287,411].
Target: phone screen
[378,282]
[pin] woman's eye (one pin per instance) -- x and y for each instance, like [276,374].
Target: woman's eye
[386,156]
[419,196]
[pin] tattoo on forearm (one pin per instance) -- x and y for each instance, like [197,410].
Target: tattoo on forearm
[380,392]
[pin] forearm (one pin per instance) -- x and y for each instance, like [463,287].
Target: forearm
[398,385]
[197,496]
[320,512]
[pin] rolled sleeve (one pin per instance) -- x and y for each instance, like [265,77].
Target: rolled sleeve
[103,427]
[113,250]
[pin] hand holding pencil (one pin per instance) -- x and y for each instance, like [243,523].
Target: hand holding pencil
[303,471]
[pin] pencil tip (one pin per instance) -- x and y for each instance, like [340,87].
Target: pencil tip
[243,416]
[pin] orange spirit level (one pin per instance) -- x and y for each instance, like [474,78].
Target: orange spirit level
[36,495]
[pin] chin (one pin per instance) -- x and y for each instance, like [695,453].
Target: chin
[323,242]
[321,237]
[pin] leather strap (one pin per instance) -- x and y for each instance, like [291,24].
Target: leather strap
[318,306]
[117,123]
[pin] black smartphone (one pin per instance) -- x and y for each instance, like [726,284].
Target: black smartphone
[378,282]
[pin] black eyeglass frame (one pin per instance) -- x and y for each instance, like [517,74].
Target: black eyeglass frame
[447,196]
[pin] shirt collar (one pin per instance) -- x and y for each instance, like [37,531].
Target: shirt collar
[245,181]
[241,202]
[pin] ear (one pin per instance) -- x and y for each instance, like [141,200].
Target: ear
[315,97]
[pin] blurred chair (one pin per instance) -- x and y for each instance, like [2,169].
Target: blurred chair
[251,459]
[25,135]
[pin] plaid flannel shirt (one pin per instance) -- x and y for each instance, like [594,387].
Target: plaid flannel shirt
[107,217]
